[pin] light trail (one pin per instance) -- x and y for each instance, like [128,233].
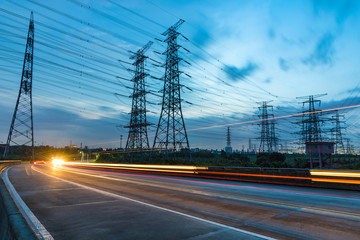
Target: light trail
[158,207]
[144,167]
[143,174]
[329,173]
[203,172]
[355,174]
[225,196]
[334,180]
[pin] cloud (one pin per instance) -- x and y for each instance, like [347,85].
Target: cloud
[353,90]
[271,33]
[348,101]
[347,9]
[237,74]
[57,127]
[202,36]
[107,109]
[284,65]
[323,53]
[342,10]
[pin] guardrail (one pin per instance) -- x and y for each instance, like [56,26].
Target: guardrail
[12,224]
[339,179]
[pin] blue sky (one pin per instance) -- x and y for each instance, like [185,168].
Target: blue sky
[242,53]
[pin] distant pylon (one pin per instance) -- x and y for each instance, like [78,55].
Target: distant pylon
[228,148]
[250,146]
[138,139]
[348,146]
[21,130]
[337,133]
[228,137]
[310,123]
[171,132]
[268,140]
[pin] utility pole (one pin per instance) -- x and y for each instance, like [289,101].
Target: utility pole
[21,130]
[138,139]
[171,133]
[119,128]
[337,132]
[268,140]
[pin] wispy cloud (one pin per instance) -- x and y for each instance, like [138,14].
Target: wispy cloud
[271,33]
[347,9]
[202,36]
[237,74]
[284,65]
[323,53]
[342,10]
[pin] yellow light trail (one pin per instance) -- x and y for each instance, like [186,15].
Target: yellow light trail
[327,173]
[230,196]
[204,170]
[355,174]
[143,167]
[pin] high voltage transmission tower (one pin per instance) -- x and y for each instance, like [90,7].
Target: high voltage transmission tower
[228,137]
[337,132]
[228,148]
[268,139]
[171,132]
[311,122]
[22,130]
[349,147]
[138,139]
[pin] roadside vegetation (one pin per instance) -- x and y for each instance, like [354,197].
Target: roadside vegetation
[205,158]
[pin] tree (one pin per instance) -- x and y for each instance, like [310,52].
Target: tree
[274,159]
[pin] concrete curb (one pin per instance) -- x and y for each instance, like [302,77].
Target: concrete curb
[12,223]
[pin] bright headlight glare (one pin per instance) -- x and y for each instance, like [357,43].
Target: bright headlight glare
[57,162]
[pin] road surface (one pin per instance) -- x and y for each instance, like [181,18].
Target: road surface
[75,203]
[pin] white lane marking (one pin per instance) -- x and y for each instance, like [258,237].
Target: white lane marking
[309,209]
[39,230]
[157,207]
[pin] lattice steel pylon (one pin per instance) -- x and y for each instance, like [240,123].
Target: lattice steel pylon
[171,132]
[337,132]
[228,137]
[21,130]
[310,123]
[268,140]
[349,148]
[138,138]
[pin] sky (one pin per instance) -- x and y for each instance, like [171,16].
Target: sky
[240,53]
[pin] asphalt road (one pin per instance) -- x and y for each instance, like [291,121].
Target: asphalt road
[99,204]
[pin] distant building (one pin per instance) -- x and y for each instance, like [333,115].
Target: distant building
[319,153]
[3,146]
